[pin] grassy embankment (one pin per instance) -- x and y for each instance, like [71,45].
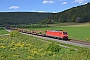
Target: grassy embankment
[77,31]
[22,47]
[2,31]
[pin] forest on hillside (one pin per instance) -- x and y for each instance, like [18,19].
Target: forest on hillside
[22,17]
[77,14]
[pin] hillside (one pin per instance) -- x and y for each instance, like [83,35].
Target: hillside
[78,14]
[22,17]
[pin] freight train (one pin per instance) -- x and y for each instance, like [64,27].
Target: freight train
[60,34]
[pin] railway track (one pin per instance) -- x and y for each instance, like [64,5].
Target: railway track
[72,42]
[80,42]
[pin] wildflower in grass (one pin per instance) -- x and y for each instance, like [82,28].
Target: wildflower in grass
[54,55]
[29,50]
[13,49]
[1,39]
[35,52]
[86,38]
[3,47]
[89,39]
[1,43]
[12,44]
[19,45]
[48,53]
[23,43]
[7,38]
[44,53]
[40,49]
[30,57]
[29,45]
[18,59]
[61,54]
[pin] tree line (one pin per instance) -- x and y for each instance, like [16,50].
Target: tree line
[79,14]
[22,17]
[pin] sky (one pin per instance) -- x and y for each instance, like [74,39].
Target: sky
[39,5]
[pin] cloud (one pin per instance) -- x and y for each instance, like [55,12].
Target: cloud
[54,12]
[48,2]
[13,7]
[64,3]
[37,11]
[61,0]
[41,11]
[80,1]
[85,3]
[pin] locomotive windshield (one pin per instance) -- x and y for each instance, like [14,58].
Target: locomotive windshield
[64,33]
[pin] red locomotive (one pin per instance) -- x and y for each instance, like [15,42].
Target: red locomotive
[57,34]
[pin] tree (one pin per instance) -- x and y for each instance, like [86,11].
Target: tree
[78,19]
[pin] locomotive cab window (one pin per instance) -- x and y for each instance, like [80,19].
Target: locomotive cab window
[64,33]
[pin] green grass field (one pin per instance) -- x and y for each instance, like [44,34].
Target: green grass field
[77,31]
[2,31]
[22,47]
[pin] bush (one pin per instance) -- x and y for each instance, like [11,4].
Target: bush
[54,47]
[39,32]
[14,33]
